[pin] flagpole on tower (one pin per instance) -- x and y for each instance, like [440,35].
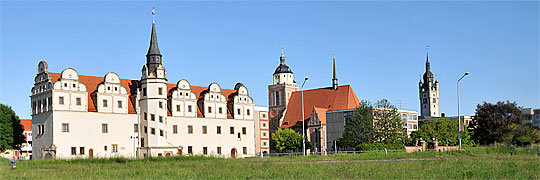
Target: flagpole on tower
[153,14]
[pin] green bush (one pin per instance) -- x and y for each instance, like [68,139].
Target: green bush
[379,147]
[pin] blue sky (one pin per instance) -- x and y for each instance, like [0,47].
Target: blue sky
[379,46]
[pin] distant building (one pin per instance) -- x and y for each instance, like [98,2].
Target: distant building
[262,135]
[410,120]
[532,116]
[26,149]
[428,94]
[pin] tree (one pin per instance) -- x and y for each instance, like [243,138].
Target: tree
[525,135]
[359,128]
[379,122]
[11,130]
[287,140]
[496,122]
[445,131]
[388,124]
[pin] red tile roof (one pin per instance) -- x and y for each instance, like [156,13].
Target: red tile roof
[332,100]
[27,124]
[91,83]
[322,114]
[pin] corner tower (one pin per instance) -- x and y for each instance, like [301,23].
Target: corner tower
[153,99]
[280,92]
[429,93]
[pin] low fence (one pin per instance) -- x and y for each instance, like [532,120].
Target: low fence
[299,153]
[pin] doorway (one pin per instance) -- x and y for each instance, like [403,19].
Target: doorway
[91,153]
[233,152]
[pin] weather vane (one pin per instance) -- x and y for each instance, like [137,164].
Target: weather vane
[281,49]
[153,14]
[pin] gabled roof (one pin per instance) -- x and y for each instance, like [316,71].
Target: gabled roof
[321,113]
[332,100]
[27,124]
[91,83]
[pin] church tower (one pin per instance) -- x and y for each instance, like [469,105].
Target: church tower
[153,97]
[429,93]
[280,92]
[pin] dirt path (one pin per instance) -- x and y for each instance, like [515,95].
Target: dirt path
[366,160]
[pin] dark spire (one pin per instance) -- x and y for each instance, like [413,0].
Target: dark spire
[334,80]
[153,49]
[282,68]
[427,59]
[428,76]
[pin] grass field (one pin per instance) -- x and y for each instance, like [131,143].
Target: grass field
[485,163]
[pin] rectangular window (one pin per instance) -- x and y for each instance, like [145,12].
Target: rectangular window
[135,127]
[209,109]
[145,116]
[160,90]
[189,108]
[238,111]
[153,130]
[232,130]
[205,150]
[190,150]
[73,150]
[144,91]
[263,124]
[161,119]
[434,100]
[104,128]
[161,132]
[264,143]
[114,148]
[105,148]
[152,117]
[65,127]
[264,134]
[145,130]
[263,115]
[104,103]
[119,104]
[177,108]
[220,110]
[175,129]
[244,150]
[218,150]
[248,113]
[244,130]
[190,129]
[160,105]
[78,101]
[61,100]
[218,130]
[204,129]
[81,150]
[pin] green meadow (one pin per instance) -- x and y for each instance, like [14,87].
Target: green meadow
[484,163]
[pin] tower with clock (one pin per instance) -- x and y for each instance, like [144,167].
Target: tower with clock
[279,93]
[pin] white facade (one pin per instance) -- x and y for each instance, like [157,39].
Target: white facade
[86,116]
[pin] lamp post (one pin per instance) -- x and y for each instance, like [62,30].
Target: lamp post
[303,129]
[459,117]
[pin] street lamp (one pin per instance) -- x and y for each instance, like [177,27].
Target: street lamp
[459,117]
[303,133]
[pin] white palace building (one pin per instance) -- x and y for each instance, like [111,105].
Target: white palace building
[77,116]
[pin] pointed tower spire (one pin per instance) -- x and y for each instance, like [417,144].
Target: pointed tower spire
[427,59]
[153,56]
[334,80]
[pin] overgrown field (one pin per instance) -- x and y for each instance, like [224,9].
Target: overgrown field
[485,163]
